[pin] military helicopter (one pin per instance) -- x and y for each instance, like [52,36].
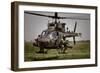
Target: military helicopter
[54,37]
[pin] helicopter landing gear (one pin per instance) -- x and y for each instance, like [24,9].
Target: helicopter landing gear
[41,50]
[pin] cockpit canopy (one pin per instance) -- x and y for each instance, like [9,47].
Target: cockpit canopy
[51,35]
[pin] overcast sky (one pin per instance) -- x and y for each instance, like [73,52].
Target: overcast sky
[34,25]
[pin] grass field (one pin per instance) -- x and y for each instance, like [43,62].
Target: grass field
[79,51]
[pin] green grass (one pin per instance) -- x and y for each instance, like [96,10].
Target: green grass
[80,51]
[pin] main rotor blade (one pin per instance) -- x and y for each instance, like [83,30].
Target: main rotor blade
[54,17]
[75,26]
[73,18]
[57,17]
[38,14]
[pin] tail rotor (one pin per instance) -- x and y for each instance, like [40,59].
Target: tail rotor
[74,32]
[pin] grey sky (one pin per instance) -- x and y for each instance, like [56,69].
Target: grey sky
[34,25]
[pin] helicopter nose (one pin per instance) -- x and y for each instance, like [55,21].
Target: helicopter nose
[34,44]
[44,40]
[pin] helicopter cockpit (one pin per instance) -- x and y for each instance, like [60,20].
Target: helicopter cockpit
[52,35]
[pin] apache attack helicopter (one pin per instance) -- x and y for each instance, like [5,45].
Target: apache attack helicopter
[54,37]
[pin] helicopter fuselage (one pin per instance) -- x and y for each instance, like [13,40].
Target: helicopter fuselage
[55,35]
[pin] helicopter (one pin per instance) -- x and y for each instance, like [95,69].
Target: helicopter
[54,37]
